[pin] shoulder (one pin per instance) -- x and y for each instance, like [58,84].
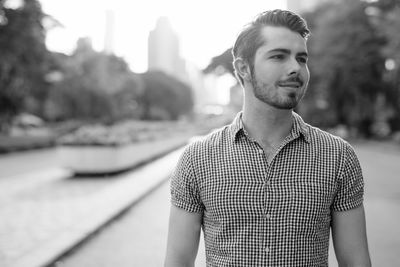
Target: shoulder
[331,146]
[324,138]
[334,148]
[317,137]
[213,139]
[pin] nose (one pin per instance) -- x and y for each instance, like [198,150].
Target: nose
[293,66]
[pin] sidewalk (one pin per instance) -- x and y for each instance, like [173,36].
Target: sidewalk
[46,213]
[138,238]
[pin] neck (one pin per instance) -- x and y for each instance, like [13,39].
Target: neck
[267,125]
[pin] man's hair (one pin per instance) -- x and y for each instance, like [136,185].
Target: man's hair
[250,39]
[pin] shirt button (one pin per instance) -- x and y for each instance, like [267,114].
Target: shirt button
[261,151]
[266,249]
[268,183]
[268,216]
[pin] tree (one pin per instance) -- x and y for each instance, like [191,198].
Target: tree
[24,60]
[221,64]
[92,86]
[346,67]
[126,100]
[386,14]
[164,97]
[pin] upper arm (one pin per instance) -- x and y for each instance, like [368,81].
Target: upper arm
[186,214]
[349,237]
[183,237]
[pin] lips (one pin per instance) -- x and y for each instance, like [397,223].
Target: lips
[290,84]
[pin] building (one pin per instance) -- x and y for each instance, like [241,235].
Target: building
[109,32]
[164,51]
[164,55]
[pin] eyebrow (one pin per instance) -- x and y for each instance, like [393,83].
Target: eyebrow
[287,51]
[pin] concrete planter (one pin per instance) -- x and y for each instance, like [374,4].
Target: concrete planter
[111,159]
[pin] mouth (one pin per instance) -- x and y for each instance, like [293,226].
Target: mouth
[295,85]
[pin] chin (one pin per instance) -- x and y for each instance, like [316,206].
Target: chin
[282,105]
[286,107]
[290,104]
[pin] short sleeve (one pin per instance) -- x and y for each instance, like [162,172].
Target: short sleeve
[184,190]
[350,192]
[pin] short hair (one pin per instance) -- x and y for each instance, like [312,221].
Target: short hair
[249,39]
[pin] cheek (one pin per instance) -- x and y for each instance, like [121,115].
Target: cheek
[267,75]
[306,74]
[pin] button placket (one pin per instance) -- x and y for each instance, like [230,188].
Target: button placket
[266,216]
[268,193]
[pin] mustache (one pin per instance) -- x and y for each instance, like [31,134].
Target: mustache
[295,79]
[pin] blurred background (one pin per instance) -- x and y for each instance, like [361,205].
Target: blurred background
[150,76]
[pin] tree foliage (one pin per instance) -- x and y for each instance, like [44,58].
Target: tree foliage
[91,80]
[164,97]
[387,19]
[221,64]
[99,86]
[24,60]
[346,66]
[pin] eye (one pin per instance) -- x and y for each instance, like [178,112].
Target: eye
[302,60]
[279,56]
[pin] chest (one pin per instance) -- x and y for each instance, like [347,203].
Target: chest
[248,187]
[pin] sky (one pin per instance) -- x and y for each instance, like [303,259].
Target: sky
[206,28]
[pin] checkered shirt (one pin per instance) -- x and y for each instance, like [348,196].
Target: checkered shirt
[257,213]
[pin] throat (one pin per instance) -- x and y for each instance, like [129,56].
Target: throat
[270,149]
[269,133]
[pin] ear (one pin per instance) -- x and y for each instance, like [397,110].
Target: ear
[242,68]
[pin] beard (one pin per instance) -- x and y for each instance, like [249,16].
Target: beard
[269,94]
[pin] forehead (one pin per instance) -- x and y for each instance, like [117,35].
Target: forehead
[281,37]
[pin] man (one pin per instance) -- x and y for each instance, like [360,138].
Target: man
[268,188]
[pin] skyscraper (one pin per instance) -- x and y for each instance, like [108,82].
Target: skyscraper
[164,50]
[109,32]
[164,55]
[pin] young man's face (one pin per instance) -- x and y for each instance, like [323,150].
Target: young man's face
[280,75]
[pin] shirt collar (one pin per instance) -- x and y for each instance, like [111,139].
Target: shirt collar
[299,127]
[237,126]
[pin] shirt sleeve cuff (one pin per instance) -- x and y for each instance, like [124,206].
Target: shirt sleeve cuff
[348,206]
[186,206]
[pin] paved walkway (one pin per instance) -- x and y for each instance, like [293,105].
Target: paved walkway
[47,212]
[138,238]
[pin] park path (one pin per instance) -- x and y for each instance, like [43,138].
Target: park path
[381,167]
[138,238]
[47,211]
